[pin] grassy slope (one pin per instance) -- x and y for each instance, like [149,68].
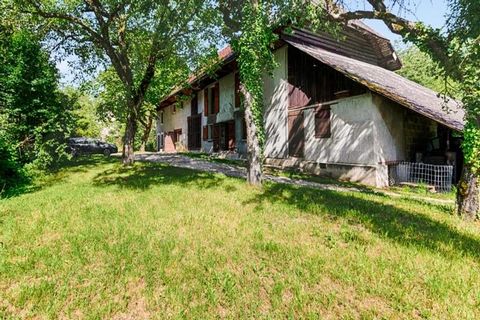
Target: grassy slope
[153,241]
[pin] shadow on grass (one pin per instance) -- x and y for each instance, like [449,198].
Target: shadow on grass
[213,158]
[144,175]
[39,180]
[410,228]
[85,163]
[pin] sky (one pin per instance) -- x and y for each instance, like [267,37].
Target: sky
[431,12]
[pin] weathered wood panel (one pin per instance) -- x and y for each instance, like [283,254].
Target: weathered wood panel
[296,134]
[312,82]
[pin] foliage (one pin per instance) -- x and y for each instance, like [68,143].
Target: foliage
[87,122]
[420,68]
[11,171]
[254,58]
[251,26]
[35,117]
[133,38]
[112,105]
[151,240]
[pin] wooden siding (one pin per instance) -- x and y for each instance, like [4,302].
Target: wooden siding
[351,43]
[312,82]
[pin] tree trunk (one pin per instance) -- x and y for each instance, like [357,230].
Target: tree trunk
[146,133]
[254,151]
[468,195]
[129,139]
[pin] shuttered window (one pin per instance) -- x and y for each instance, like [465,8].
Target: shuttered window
[212,100]
[322,123]
[205,103]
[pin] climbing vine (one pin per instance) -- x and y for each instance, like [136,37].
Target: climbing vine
[255,58]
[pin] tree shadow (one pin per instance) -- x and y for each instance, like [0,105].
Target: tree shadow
[409,228]
[144,175]
[85,163]
[39,180]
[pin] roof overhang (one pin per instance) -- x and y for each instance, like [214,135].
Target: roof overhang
[387,83]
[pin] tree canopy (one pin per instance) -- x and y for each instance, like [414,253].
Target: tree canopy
[133,37]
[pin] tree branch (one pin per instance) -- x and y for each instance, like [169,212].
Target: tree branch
[397,25]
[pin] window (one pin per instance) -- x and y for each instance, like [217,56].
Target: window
[322,123]
[160,139]
[212,100]
[161,117]
[208,132]
[174,108]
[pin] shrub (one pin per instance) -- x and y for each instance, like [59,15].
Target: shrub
[11,171]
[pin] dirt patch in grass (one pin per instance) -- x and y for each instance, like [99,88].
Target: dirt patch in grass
[136,305]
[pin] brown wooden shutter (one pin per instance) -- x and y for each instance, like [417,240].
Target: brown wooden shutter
[216,98]
[205,133]
[322,123]
[237,90]
[205,102]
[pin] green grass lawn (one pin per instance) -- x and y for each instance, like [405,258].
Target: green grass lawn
[101,241]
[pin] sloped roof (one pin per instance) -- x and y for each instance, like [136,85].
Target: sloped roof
[391,85]
[357,40]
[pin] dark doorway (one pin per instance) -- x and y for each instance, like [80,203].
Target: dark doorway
[296,135]
[194,132]
[224,136]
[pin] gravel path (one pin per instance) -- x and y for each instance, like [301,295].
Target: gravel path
[181,161]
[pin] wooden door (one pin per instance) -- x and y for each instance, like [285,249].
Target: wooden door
[296,134]
[194,132]
[216,137]
[169,142]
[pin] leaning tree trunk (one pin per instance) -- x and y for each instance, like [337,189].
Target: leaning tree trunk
[146,133]
[468,195]
[129,139]
[254,151]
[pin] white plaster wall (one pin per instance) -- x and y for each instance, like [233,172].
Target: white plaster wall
[276,108]
[227,98]
[177,120]
[353,135]
[389,130]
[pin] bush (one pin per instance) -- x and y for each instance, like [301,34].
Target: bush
[11,171]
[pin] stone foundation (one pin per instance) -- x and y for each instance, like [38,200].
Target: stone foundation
[371,175]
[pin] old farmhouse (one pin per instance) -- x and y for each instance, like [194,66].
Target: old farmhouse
[333,107]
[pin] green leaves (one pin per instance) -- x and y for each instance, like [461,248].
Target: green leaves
[35,120]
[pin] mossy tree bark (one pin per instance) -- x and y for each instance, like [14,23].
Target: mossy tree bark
[254,150]
[468,195]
